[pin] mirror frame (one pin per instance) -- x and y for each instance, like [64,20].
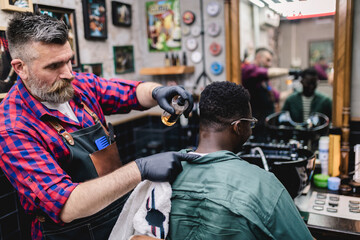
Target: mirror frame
[342,64]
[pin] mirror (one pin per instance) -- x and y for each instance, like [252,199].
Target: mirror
[300,35]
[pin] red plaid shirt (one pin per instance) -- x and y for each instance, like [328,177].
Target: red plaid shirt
[31,149]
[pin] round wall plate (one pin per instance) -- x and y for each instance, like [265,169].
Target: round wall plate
[196,57]
[213,9]
[185,30]
[216,68]
[188,17]
[191,44]
[215,48]
[195,31]
[213,29]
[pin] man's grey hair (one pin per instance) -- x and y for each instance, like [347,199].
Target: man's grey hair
[26,28]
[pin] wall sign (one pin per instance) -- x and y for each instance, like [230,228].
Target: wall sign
[213,9]
[195,31]
[213,29]
[216,68]
[188,17]
[215,48]
[185,30]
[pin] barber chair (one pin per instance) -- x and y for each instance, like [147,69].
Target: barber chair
[289,154]
[290,163]
[282,128]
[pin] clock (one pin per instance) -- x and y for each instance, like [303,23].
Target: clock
[196,57]
[213,9]
[191,44]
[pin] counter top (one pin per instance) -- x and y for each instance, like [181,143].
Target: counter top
[116,119]
[324,226]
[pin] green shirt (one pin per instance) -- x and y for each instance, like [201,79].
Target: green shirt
[294,105]
[220,196]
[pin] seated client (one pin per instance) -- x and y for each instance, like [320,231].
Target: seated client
[219,195]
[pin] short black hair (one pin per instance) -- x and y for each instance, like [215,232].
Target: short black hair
[223,102]
[309,71]
[263,49]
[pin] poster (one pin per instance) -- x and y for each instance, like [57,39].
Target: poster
[163,25]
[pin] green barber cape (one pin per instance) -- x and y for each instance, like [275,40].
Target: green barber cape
[294,105]
[220,196]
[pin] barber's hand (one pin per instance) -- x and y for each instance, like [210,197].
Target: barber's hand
[162,167]
[295,72]
[163,96]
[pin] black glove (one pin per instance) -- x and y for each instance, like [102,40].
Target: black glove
[295,72]
[163,96]
[162,167]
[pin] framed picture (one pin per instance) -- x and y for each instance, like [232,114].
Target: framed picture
[321,49]
[69,17]
[7,73]
[95,68]
[163,25]
[95,24]
[17,5]
[123,59]
[121,14]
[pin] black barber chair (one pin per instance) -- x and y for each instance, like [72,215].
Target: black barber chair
[288,153]
[290,163]
[281,127]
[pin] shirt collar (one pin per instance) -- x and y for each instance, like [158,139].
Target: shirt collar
[219,156]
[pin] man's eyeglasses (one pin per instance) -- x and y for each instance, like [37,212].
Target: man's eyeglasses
[252,121]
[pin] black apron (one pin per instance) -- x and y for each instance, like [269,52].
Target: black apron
[87,162]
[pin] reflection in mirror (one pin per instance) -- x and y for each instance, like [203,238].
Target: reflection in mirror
[300,35]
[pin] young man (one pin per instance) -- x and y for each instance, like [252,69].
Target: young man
[55,148]
[302,104]
[219,195]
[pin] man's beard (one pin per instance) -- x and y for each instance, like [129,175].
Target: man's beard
[59,92]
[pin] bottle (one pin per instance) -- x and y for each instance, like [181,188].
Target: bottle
[177,60]
[173,59]
[324,154]
[184,62]
[179,104]
[167,60]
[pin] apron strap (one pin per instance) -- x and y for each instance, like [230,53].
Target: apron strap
[95,117]
[61,131]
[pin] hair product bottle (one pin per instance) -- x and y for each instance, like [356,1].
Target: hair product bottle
[179,104]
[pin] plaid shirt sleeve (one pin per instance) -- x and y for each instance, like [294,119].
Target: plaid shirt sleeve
[34,172]
[113,95]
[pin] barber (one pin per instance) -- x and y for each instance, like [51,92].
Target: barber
[255,78]
[55,147]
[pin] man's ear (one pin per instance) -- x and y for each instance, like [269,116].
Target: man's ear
[20,68]
[236,128]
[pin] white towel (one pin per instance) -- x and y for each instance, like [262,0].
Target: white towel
[146,212]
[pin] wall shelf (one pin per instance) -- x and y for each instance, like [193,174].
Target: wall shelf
[174,70]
